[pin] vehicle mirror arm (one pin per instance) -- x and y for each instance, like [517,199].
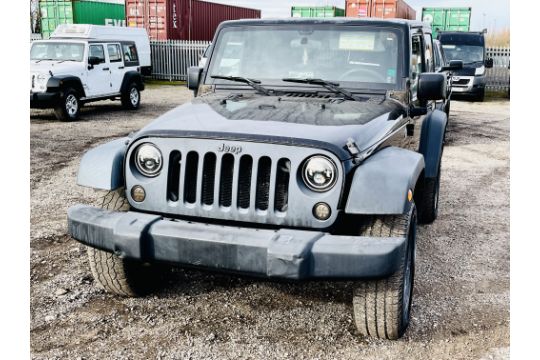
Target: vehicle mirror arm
[415,111]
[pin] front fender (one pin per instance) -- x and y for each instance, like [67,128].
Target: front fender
[381,183]
[431,141]
[102,166]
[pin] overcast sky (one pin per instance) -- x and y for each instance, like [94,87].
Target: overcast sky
[485,13]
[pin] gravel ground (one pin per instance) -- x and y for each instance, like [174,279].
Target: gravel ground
[461,305]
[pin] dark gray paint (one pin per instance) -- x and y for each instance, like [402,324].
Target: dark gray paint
[381,183]
[101,167]
[431,142]
[286,253]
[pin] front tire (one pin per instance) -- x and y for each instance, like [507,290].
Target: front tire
[69,106]
[382,308]
[124,277]
[131,98]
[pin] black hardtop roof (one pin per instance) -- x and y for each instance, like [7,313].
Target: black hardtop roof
[330,21]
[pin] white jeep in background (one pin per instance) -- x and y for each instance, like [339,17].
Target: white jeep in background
[84,63]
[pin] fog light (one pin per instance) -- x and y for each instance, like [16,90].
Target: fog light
[321,211]
[137,193]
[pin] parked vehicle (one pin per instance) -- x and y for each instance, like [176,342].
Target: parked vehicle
[384,9]
[57,12]
[447,19]
[317,11]
[469,47]
[289,163]
[84,63]
[441,66]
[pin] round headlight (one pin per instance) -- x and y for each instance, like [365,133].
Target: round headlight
[148,160]
[319,173]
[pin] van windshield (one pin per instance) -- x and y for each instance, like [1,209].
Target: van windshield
[351,56]
[57,51]
[467,53]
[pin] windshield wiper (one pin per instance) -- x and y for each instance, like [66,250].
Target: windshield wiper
[45,59]
[61,61]
[251,82]
[329,85]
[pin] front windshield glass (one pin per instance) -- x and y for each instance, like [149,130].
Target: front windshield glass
[57,51]
[351,56]
[466,53]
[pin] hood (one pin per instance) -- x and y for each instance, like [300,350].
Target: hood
[57,67]
[313,122]
[468,69]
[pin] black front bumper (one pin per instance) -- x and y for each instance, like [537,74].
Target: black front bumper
[283,253]
[44,100]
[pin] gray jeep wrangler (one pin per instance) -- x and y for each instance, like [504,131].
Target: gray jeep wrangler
[310,151]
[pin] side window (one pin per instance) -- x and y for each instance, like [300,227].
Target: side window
[429,53]
[97,51]
[114,53]
[417,61]
[130,53]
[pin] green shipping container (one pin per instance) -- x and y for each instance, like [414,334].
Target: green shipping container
[317,11]
[56,12]
[447,19]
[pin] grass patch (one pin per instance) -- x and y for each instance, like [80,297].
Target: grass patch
[153,82]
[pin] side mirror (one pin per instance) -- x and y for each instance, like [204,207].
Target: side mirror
[453,65]
[93,60]
[194,78]
[431,86]
[488,63]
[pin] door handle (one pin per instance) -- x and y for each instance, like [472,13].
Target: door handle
[105,69]
[120,67]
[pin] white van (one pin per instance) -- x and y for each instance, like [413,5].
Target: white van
[83,63]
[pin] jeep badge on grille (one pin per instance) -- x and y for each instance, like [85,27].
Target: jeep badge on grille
[230,149]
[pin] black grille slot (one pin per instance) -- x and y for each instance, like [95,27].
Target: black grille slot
[226,180]
[173,180]
[209,176]
[283,173]
[461,82]
[244,181]
[190,179]
[263,183]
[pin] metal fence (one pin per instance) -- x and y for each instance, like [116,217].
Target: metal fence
[171,58]
[498,77]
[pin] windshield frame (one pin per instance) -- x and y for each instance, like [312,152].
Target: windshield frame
[401,69]
[80,43]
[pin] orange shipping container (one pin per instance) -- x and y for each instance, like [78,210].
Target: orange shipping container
[384,9]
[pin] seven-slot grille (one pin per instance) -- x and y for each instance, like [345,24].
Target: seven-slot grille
[225,180]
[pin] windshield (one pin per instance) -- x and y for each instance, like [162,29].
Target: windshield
[467,53]
[350,56]
[57,51]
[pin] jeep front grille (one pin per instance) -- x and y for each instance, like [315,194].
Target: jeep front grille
[232,180]
[213,176]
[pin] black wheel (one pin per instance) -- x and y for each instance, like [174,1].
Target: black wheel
[131,98]
[382,308]
[69,106]
[119,276]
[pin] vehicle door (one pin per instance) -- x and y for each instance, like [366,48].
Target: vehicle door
[117,67]
[98,79]
[418,65]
